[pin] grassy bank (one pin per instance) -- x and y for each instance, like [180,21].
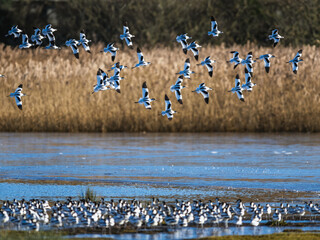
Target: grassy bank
[59,88]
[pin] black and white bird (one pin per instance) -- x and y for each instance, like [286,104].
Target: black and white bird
[183,40]
[115,79]
[117,68]
[146,100]
[3,76]
[74,46]
[266,59]
[111,49]
[15,31]
[235,59]
[127,36]
[203,89]
[36,38]
[248,85]
[17,94]
[295,61]
[275,37]
[214,28]
[237,89]
[194,49]
[177,88]
[208,63]
[169,112]
[48,32]
[186,72]
[141,62]
[248,63]
[84,42]
[102,83]
[25,42]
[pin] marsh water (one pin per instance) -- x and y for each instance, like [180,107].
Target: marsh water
[255,167]
[52,165]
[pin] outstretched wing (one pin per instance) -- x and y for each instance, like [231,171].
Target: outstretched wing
[240,95]
[18,102]
[237,81]
[214,24]
[205,94]
[180,80]
[167,102]
[145,91]
[247,76]
[187,64]
[19,89]
[178,96]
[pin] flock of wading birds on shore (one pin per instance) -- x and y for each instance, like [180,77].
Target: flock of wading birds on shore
[35,213]
[104,82]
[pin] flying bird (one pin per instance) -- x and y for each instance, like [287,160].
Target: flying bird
[15,31]
[275,37]
[25,41]
[203,89]
[117,68]
[237,89]
[186,72]
[111,49]
[183,40]
[142,62]
[18,95]
[74,46]
[248,62]
[248,85]
[37,37]
[235,59]
[194,49]
[266,59]
[169,112]
[208,63]
[127,36]
[214,28]
[48,32]
[295,61]
[3,76]
[52,45]
[84,42]
[145,97]
[177,88]
[102,84]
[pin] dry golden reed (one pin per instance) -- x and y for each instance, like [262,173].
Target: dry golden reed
[59,88]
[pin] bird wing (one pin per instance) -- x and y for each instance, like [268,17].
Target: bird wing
[51,37]
[140,56]
[168,104]
[86,46]
[18,101]
[74,48]
[19,89]
[204,93]
[210,68]
[248,77]
[128,41]
[298,55]
[237,82]
[275,31]
[178,95]
[24,38]
[240,95]
[99,77]
[184,44]
[235,54]
[145,91]
[125,29]
[147,105]
[214,25]
[294,66]
[179,81]
[266,62]
[187,64]
[195,51]
[249,67]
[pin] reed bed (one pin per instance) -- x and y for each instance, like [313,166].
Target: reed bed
[59,88]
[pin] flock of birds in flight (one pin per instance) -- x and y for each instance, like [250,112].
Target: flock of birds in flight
[37,213]
[104,82]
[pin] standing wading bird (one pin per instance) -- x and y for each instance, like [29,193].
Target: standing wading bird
[169,112]
[204,91]
[183,40]
[248,85]
[101,82]
[214,28]
[145,97]
[177,88]
[186,72]
[25,41]
[15,31]
[18,94]
[84,41]
[295,61]
[275,37]
[111,49]
[37,37]
[74,46]
[235,59]
[194,49]
[142,62]
[237,88]
[248,62]
[127,36]
[208,63]
[266,59]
